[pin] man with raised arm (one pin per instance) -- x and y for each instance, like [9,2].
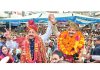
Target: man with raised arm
[70,42]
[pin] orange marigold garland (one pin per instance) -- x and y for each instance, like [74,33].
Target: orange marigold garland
[70,45]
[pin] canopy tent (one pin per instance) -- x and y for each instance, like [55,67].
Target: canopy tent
[38,18]
[80,19]
[43,18]
[85,19]
[15,20]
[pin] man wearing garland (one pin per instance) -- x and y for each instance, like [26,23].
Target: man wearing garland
[70,42]
[32,46]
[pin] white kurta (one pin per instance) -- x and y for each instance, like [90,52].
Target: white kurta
[46,36]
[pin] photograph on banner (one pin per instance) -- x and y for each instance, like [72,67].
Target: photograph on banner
[50,37]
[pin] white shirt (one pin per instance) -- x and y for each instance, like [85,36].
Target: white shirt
[46,36]
[11,44]
[96,57]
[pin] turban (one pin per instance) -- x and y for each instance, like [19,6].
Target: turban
[32,25]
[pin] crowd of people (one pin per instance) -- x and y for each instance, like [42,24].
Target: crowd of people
[51,46]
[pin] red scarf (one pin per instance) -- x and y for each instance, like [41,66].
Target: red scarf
[39,51]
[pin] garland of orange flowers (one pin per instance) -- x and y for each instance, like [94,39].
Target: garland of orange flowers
[70,45]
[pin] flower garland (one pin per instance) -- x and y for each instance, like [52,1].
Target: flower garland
[39,51]
[70,45]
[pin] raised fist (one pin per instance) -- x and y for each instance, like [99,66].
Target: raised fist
[52,19]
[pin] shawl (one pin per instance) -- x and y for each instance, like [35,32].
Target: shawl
[39,51]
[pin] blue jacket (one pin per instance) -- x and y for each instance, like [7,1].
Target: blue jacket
[96,50]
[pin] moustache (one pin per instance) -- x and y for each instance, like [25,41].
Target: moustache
[31,35]
[71,33]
